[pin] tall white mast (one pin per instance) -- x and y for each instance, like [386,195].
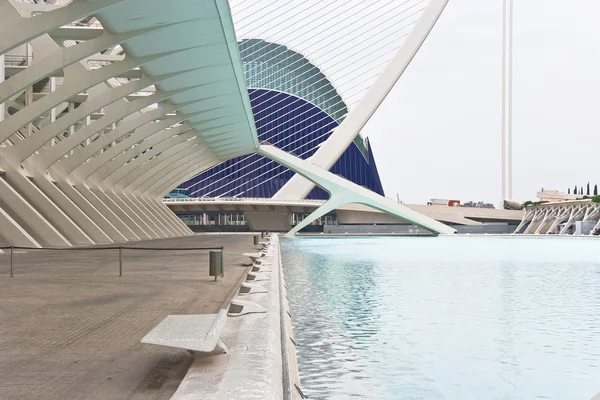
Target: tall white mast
[507,66]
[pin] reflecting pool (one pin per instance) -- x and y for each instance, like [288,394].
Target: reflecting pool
[446,318]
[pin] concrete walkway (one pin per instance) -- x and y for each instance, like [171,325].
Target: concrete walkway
[70,328]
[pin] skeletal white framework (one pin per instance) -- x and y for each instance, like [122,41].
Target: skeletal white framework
[109,104]
[559,218]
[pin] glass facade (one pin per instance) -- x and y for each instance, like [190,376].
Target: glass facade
[295,108]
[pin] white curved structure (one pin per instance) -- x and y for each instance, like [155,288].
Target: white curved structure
[95,173]
[332,149]
[109,104]
[344,192]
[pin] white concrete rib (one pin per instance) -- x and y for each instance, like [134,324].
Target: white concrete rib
[72,182]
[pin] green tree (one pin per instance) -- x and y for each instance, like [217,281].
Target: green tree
[588,189]
[575,190]
[596,190]
[569,191]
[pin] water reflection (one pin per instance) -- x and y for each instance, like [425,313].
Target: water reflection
[448,318]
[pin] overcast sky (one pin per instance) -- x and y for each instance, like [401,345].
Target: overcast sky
[437,135]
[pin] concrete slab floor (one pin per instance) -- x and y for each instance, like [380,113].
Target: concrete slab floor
[70,328]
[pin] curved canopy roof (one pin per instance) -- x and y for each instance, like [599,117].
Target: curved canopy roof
[199,46]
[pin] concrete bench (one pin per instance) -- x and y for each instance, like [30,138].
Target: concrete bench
[199,332]
[253,256]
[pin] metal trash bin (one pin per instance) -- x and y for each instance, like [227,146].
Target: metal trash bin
[216,264]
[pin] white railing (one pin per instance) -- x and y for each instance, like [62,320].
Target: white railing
[248,200]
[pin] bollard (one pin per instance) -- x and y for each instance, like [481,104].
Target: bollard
[215,264]
[120,261]
[255,240]
[11,261]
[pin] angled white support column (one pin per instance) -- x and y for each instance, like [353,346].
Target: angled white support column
[561,216]
[13,233]
[537,218]
[86,220]
[526,219]
[89,202]
[132,212]
[48,209]
[331,150]
[576,213]
[597,226]
[343,191]
[146,214]
[120,212]
[550,213]
[169,215]
[47,234]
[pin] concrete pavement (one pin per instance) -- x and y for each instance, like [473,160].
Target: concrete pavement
[70,328]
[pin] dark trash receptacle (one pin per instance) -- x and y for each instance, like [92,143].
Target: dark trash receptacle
[216,264]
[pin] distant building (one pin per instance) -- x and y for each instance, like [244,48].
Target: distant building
[553,196]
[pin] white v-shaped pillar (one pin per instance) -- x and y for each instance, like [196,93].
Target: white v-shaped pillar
[343,191]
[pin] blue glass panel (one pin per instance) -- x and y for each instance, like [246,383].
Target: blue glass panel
[293,125]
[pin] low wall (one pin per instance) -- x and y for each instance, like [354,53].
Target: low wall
[495,229]
[410,229]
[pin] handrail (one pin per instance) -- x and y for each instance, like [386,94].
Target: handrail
[120,248]
[112,248]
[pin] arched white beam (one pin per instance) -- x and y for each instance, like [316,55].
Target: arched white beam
[117,163]
[78,79]
[77,162]
[146,136]
[343,192]
[51,58]
[332,149]
[188,167]
[106,178]
[131,172]
[53,212]
[99,96]
[105,160]
[16,30]
[179,161]
[41,154]
[114,113]
[154,170]
[158,174]
[185,172]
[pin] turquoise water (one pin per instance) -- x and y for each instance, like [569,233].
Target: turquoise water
[446,318]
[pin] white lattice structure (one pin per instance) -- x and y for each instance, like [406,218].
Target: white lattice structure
[109,104]
[559,218]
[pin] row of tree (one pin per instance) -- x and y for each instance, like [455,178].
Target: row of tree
[587,190]
[479,204]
